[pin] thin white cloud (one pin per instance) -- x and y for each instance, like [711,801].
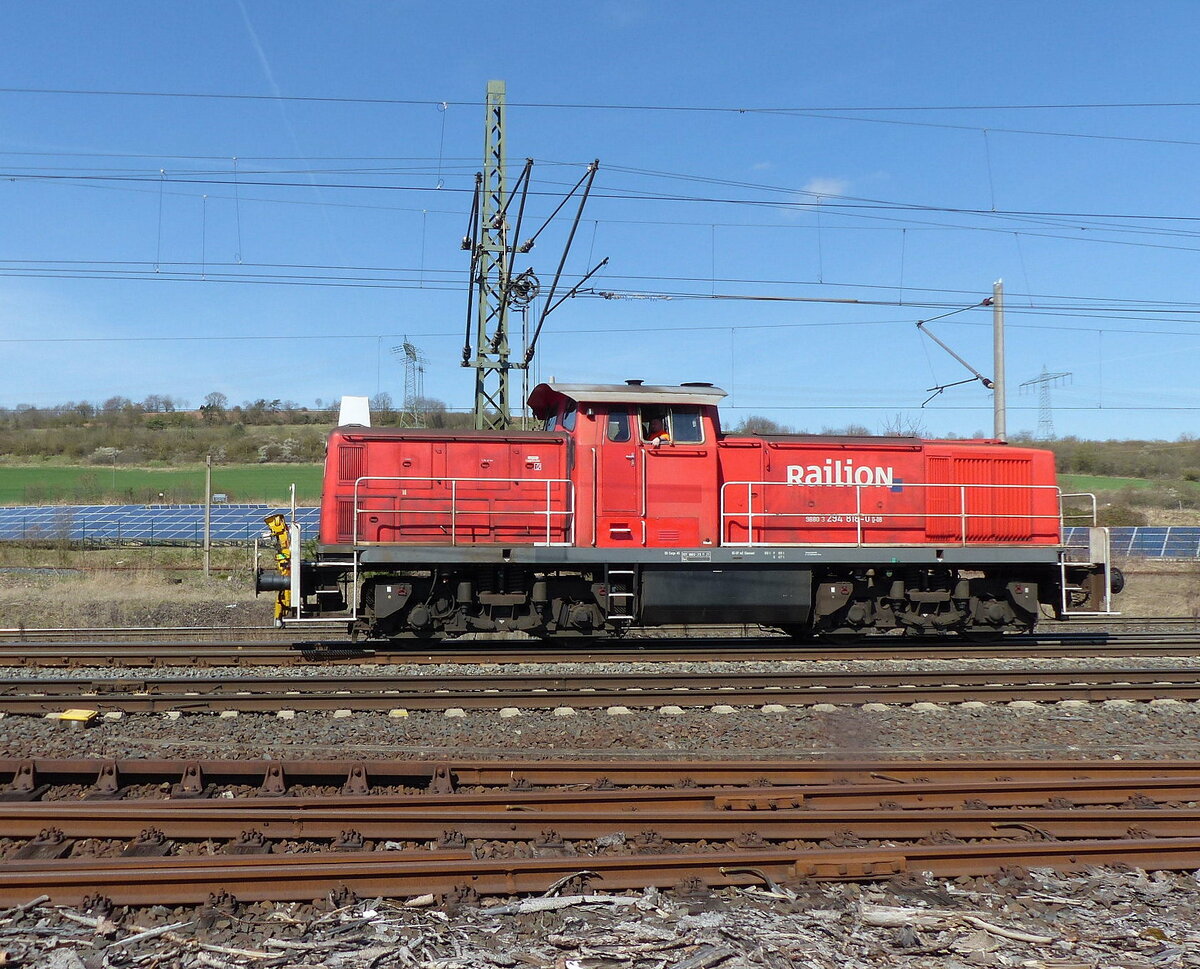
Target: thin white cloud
[825,187]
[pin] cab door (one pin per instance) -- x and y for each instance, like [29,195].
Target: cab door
[679,481]
[620,499]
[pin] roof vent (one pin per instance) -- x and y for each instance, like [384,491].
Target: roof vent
[696,383]
[635,383]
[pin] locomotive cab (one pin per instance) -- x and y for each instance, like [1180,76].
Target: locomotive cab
[646,460]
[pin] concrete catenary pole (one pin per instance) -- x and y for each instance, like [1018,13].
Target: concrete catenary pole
[1000,429]
[207,514]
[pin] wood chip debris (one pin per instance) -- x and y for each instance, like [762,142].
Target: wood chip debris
[1038,919]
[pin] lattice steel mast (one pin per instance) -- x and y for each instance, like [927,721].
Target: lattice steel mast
[1044,381]
[489,271]
[493,287]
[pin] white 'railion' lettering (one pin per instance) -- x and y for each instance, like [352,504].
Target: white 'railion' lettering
[840,473]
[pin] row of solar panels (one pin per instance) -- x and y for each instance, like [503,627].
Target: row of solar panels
[1146,541]
[140,523]
[234,523]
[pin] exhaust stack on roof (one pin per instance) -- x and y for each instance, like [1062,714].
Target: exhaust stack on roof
[355,410]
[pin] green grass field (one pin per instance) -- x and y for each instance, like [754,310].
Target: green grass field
[60,484]
[1095,482]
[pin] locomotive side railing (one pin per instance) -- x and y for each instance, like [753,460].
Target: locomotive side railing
[748,517]
[457,514]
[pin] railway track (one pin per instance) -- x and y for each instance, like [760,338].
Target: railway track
[586,690]
[248,653]
[825,820]
[28,634]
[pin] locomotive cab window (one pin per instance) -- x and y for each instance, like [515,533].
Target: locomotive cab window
[685,425]
[618,426]
[679,425]
[565,420]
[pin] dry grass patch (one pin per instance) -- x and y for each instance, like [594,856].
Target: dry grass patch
[1159,588]
[141,598]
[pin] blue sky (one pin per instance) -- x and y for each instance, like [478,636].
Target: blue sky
[900,154]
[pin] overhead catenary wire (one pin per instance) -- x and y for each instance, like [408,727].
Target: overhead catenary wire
[848,203]
[475,102]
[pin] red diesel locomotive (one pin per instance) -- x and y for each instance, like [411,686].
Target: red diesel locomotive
[632,508]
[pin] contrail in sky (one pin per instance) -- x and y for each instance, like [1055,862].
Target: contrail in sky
[270,75]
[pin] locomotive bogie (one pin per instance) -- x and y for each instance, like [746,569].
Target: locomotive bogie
[925,601]
[449,602]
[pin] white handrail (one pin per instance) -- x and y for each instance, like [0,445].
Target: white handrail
[547,511]
[749,515]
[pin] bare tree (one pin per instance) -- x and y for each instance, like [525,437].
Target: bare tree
[903,425]
[756,424]
[382,408]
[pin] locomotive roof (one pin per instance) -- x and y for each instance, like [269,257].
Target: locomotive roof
[544,397]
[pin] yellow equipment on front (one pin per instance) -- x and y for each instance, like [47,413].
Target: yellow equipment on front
[283,560]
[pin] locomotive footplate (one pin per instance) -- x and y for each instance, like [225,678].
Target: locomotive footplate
[959,556]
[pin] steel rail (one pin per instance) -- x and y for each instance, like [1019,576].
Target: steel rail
[583,773]
[227,821]
[265,653]
[538,785]
[593,682]
[189,880]
[485,692]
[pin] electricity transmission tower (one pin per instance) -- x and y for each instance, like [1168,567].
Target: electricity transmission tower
[1044,381]
[414,384]
[494,287]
